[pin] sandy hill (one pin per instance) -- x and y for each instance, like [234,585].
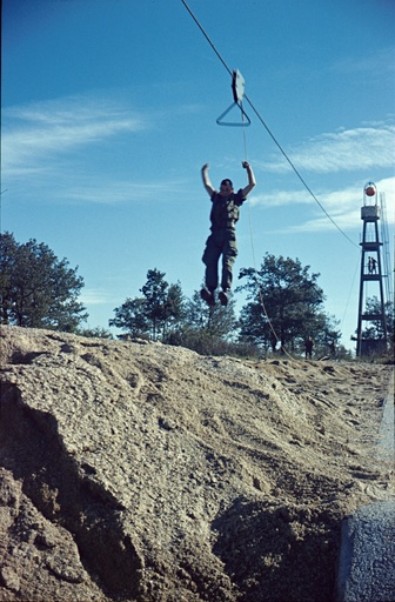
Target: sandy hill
[143,472]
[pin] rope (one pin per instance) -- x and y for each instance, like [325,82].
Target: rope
[244,137]
[260,295]
[272,136]
[349,294]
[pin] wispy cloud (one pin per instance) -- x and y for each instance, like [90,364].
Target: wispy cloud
[94,296]
[343,205]
[53,145]
[36,137]
[348,149]
[379,63]
[106,191]
[280,198]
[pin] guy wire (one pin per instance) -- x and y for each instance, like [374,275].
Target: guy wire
[349,294]
[260,295]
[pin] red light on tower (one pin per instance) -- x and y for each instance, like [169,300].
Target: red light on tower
[370,189]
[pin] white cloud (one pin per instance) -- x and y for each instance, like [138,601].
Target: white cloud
[343,205]
[94,296]
[37,136]
[279,198]
[362,148]
[378,64]
[110,192]
[41,145]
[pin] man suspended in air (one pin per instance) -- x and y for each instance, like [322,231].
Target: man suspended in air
[222,240]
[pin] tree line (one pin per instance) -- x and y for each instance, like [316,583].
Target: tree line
[284,306]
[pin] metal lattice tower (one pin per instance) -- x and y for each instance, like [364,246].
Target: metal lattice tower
[371,272]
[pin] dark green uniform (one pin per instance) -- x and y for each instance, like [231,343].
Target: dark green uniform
[222,240]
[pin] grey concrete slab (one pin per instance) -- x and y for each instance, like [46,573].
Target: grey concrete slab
[367,558]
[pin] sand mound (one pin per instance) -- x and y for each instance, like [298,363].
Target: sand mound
[143,472]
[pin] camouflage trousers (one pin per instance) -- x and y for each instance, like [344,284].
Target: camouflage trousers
[220,242]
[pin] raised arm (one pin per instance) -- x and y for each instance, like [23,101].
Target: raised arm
[206,180]
[251,178]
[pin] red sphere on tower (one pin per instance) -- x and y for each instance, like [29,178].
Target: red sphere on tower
[370,189]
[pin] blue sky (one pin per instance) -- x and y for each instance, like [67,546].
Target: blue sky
[109,111]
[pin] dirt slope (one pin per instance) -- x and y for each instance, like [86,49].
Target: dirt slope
[142,472]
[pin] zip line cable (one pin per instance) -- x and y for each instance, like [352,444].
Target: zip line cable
[207,37]
[297,172]
[268,130]
[245,153]
[277,143]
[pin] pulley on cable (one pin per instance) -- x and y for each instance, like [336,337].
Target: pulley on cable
[238,85]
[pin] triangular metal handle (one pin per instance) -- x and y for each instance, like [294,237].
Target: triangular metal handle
[246,123]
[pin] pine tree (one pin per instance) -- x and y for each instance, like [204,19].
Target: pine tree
[38,290]
[284,303]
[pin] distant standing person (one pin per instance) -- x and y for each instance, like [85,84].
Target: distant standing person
[370,268]
[222,240]
[309,344]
